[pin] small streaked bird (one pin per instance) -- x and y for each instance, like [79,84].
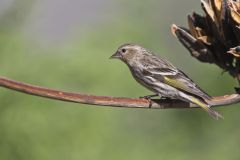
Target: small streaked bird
[161,77]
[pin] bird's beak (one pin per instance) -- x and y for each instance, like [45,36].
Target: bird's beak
[115,56]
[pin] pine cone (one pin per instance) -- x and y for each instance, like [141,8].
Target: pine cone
[214,37]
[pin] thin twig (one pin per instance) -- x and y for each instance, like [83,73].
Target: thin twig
[110,101]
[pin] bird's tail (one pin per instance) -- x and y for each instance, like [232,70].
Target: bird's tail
[207,108]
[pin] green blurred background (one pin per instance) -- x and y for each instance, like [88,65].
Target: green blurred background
[65,44]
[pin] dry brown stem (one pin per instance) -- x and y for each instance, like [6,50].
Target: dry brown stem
[110,101]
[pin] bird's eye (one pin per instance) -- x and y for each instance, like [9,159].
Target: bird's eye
[124,50]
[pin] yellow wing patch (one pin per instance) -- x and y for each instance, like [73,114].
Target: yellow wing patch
[178,84]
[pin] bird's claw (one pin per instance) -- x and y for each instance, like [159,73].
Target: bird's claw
[145,97]
[149,97]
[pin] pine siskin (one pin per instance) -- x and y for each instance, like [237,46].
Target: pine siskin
[161,77]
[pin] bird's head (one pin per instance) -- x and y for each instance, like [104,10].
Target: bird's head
[128,53]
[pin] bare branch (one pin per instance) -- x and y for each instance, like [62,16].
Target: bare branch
[110,101]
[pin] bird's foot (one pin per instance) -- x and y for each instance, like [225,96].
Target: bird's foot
[148,97]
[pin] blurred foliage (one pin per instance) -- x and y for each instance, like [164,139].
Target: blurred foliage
[37,128]
[15,15]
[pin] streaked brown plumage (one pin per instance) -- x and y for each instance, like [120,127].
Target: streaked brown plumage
[161,77]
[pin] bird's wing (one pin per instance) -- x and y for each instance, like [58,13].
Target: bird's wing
[179,80]
[157,63]
[184,83]
[164,71]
